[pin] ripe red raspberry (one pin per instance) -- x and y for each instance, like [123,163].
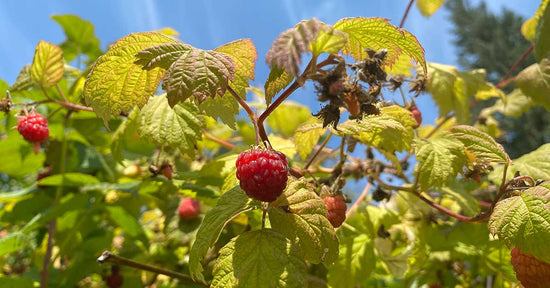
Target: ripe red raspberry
[189,208]
[530,271]
[336,210]
[262,173]
[33,127]
[167,171]
[416,115]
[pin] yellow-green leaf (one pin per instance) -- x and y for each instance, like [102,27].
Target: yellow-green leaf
[259,259]
[378,33]
[277,80]
[328,40]
[524,221]
[534,81]
[301,215]
[115,83]
[307,135]
[178,127]
[528,29]
[287,117]
[542,41]
[428,7]
[480,143]
[439,158]
[449,91]
[535,164]
[47,65]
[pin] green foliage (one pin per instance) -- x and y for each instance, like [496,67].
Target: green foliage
[542,43]
[178,127]
[535,164]
[277,80]
[480,143]
[533,82]
[47,65]
[300,215]
[116,84]
[530,216]
[81,38]
[378,33]
[529,27]
[439,159]
[307,135]
[261,258]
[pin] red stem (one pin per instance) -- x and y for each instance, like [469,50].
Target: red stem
[359,199]
[503,82]
[449,212]
[47,257]
[406,14]
[218,140]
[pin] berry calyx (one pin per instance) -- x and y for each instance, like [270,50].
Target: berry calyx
[262,173]
[417,115]
[189,208]
[530,271]
[34,127]
[336,210]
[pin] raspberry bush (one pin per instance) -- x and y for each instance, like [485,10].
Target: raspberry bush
[153,120]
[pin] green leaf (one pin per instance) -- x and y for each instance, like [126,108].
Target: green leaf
[439,158]
[477,86]
[528,29]
[17,194]
[468,204]
[162,55]
[286,51]
[449,91]
[126,221]
[480,143]
[80,37]
[428,7]
[115,83]
[355,264]
[535,164]
[68,179]
[283,145]
[230,204]
[513,105]
[277,80]
[178,127]
[390,131]
[542,41]
[12,243]
[307,135]
[524,221]
[287,117]
[244,55]
[47,65]
[200,74]
[261,258]
[328,40]
[378,33]
[18,158]
[534,81]
[301,215]
[23,81]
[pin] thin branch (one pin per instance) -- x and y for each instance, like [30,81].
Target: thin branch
[218,140]
[359,199]
[478,218]
[44,274]
[318,151]
[406,14]
[501,189]
[60,92]
[110,257]
[74,106]
[259,132]
[503,82]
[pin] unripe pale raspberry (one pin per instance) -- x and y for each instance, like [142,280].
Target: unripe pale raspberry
[530,271]
[34,127]
[262,173]
[336,210]
[189,208]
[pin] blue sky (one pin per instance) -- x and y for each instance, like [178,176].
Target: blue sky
[208,24]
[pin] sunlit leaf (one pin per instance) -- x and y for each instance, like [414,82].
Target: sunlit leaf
[328,40]
[80,37]
[439,158]
[115,83]
[47,65]
[162,55]
[307,135]
[301,215]
[390,131]
[262,259]
[231,204]
[449,91]
[542,42]
[376,34]
[277,80]
[479,143]
[534,81]
[68,179]
[524,221]
[178,127]
[126,221]
[287,117]
[429,7]
[528,29]
[535,164]
[23,81]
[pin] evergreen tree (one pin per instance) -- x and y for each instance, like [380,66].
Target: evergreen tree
[494,42]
